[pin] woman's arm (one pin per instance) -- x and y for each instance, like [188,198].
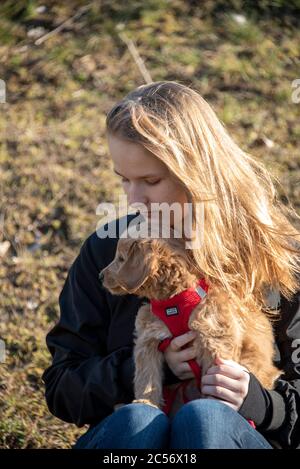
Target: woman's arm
[278,411]
[85,380]
[92,344]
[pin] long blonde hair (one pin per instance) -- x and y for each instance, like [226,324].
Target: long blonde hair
[249,243]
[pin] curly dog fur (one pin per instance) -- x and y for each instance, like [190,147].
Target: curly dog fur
[158,268]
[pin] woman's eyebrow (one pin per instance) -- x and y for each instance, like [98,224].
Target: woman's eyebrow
[140,177]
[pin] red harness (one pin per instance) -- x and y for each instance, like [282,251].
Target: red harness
[175,313]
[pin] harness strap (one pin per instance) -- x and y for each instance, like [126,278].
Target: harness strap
[164,344]
[169,395]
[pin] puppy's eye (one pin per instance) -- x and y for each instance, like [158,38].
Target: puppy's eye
[120,258]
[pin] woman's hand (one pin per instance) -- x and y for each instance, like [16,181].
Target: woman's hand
[177,358]
[227,381]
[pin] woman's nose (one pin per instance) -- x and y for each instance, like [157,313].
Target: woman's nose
[136,196]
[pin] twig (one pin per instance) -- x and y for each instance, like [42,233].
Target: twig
[137,58]
[81,10]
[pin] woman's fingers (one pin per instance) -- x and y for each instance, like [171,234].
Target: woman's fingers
[181,340]
[177,359]
[185,371]
[220,393]
[180,367]
[221,381]
[226,370]
[186,354]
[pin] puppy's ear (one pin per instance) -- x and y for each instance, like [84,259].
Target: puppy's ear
[136,269]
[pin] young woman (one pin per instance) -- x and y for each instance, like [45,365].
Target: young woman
[167,145]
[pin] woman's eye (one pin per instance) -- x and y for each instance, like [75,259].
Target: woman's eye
[124,180]
[152,183]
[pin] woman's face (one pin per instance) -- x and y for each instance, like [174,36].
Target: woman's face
[145,178]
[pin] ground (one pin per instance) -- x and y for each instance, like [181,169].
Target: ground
[54,162]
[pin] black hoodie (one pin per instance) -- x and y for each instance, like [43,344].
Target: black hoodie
[92,352]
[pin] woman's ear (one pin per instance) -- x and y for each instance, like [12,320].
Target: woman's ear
[136,269]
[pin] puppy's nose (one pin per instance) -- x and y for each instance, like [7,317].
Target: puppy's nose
[101,277]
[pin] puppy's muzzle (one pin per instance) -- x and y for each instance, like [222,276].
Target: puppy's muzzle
[101,277]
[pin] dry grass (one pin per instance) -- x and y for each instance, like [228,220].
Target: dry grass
[54,165]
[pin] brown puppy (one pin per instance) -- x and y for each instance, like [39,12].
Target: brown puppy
[158,268]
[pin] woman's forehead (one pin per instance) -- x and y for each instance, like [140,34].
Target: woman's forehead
[132,159]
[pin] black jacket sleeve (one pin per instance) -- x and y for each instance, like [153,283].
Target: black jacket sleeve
[83,382]
[277,412]
[92,343]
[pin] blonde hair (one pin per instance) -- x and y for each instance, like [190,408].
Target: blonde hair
[248,242]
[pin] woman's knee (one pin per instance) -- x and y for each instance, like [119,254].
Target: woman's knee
[127,424]
[209,412]
[209,423]
[143,413]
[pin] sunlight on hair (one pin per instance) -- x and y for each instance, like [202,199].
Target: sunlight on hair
[249,241]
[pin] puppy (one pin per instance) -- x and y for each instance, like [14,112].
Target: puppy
[158,269]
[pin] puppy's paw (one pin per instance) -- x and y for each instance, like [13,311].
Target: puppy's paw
[144,401]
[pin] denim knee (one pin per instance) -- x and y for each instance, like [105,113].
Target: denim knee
[206,411]
[143,411]
[209,423]
[134,425]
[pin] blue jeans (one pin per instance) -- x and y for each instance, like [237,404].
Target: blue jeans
[201,423]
